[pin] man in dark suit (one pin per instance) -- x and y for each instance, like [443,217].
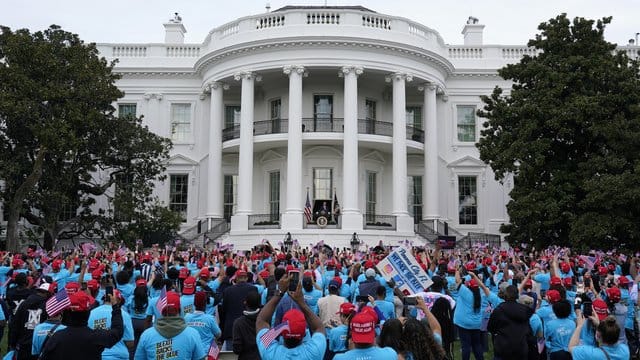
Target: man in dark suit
[232,307]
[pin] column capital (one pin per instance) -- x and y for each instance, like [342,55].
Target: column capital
[428,86]
[212,85]
[298,69]
[149,96]
[249,75]
[398,76]
[355,69]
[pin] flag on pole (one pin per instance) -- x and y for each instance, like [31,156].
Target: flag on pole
[57,303]
[162,300]
[336,205]
[267,338]
[214,351]
[307,208]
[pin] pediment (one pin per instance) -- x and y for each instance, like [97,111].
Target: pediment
[271,155]
[181,160]
[374,156]
[467,161]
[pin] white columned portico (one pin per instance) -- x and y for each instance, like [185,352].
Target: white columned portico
[240,220]
[214,170]
[431,210]
[351,216]
[292,217]
[399,168]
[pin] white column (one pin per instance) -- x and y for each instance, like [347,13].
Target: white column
[245,163]
[430,209]
[404,221]
[215,176]
[351,216]
[292,218]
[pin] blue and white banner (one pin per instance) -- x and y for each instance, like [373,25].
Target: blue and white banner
[402,267]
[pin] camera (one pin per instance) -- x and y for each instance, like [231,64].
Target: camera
[410,300]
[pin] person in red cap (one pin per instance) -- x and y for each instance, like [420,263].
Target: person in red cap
[617,309]
[558,330]
[363,337]
[337,332]
[77,340]
[100,319]
[205,324]
[170,337]
[546,311]
[60,274]
[293,329]
[187,298]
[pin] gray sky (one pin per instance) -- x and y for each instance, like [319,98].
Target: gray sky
[510,22]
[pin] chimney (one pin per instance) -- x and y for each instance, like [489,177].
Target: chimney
[472,31]
[174,30]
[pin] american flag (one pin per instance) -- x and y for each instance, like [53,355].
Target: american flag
[57,303]
[162,300]
[307,208]
[267,338]
[336,205]
[589,261]
[121,251]
[214,351]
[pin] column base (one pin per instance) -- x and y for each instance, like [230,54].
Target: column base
[351,221]
[404,223]
[240,223]
[292,221]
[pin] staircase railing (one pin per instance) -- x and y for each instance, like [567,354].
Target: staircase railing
[218,228]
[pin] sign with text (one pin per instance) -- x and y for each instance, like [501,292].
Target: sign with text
[447,242]
[402,267]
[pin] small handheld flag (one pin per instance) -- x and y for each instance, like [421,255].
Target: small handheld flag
[57,303]
[267,338]
[162,300]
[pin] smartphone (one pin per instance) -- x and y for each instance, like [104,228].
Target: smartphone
[108,291]
[410,300]
[83,286]
[587,309]
[362,298]
[294,279]
[587,282]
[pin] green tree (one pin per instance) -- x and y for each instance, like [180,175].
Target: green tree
[61,146]
[569,132]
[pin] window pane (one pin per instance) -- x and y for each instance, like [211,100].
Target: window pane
[126,110]
[178,194]
[276,109]
[230,196]
[414,193]
[414,116]
[274,195]
[370,106]
[466,123]
[371,196]
[180,122]
[322,183]
[467,200]
[231,116]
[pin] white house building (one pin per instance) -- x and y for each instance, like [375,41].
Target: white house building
[295,108]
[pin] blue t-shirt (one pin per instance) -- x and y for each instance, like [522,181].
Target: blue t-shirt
[312,348]
[311,298]
[131,309]
[465,316]
[184,346]
[387,309]
[126,289]
[338,338]
[544,279]
[3,279]
[536,325]
[557,334]
[205,324]
[40,334]
[186,304]
[100,319]
[61,277]
[372,353]
[616,352]
[152,310]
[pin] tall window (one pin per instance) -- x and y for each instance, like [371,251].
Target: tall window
[372,181]
[126,110]
[370,110]
[323,112]
[466,123]
[415,197]
[467,200]
[231,116]
[179,189]
[123,192]
[230,196]
[69,211]
[276,114]
[180,122]
[274,195]
[322,183]
[414,116]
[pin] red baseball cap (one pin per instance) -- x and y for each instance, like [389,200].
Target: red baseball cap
[72,287]
[346,308]
[613,293]
[565,267]
[297,324]
[470,266]
[556,281]
[240,273]
[205,273]
[623,280]
[363,328]
[264,274]
[173,304]
[368,264]
[96,274]
[141,282]
[600,308]
[528,284]
[93,285]
[184,273]
[553,296]
[189,285]
[56,264]
[567,281]
[602,270]
[80,301]
[472,283]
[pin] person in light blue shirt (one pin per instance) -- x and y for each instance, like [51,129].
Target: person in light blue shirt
[363,336]
[100,319]
[607,333]
[170,337]
[311,294]
[205,324]
[41,332]
[557,332]
[468,316]
[386,308]
[137,309]
[544,279]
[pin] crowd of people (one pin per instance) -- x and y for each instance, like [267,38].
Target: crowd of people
[318,303]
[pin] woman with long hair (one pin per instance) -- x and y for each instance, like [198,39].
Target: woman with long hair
[420,342]
[137,308]
[391,335]
[468,316]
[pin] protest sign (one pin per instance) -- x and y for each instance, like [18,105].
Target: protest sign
[402,267]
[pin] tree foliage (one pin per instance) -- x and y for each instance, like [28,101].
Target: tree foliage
[61,146]
[569,132]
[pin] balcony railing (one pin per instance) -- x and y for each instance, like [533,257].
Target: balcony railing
[264,221]
[415,134]
[380,222]
[274,126]
[374,127]
[323,125]
[231,133]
